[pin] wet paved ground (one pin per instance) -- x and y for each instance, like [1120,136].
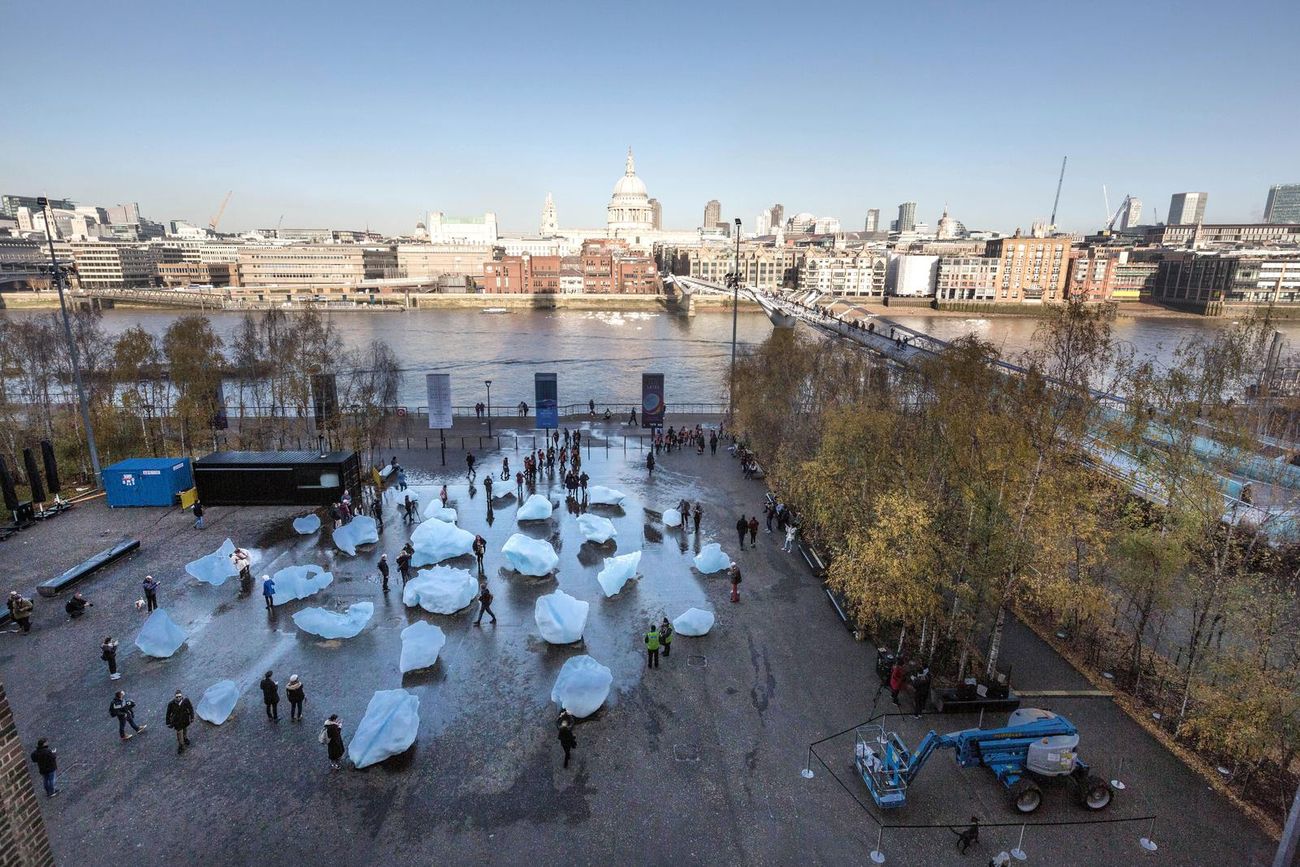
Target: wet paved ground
[697,762]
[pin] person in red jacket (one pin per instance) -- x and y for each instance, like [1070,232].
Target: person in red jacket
[897,677]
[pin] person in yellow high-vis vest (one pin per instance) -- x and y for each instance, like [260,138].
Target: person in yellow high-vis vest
[652,646]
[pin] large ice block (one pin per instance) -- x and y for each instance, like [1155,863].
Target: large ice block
[618,570]
[530,556]
[361,530]
[560,618]
[440,590]
[218,702]
[435,511]
[600,495]
[307,524]
[435,541]
[421,644]
[596,529]
[672,518]
[388,729]
[694,621]
[216,567]
[160,636]
[711,559]
[501,490]
[299,582]
[331,624]
[535,508]
[582,686]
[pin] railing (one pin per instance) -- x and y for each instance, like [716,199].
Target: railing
[618,411]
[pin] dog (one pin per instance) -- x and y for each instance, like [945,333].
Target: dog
[139,605]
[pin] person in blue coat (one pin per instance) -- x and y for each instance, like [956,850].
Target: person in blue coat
[268,591]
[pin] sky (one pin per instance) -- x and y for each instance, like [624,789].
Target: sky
[350,115]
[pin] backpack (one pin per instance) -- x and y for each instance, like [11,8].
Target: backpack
[324,736]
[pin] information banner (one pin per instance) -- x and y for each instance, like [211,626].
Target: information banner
[652,400]
[548,406]
[439,389]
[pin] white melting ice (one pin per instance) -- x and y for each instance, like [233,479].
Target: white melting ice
[331,624]
[530,556]
[421,644]
[160,636]
[307,524]
[216,567]
[560,618]
[582,686]
[618,571]
[361,530]
[672,518]
[600,495]
[435,541]
[388,729]
[440,590]
[299,582]
[218,702]
[596,529]
[711,559]
[535,508]
[694,622]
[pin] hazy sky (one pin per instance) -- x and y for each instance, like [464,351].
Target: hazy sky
[354,114]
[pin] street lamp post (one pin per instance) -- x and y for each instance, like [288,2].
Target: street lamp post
[44,205]
[735,308]
[488,383]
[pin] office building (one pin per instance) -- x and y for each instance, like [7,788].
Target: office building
[777,212]
[1131,214]
[1187,209]
[176,274]
[712,214]
[1030,269]
[462,230]
[606,267]
[763,223]
[428,261]
[113,265]
[656,215]
[1226,234]
[316,266]
[873,220]
[1283,204]
[907,216]
[10,204]
[124,215]
[1210,281]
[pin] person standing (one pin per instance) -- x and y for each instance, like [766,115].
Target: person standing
[734,573]
[48,764]
[271,697]
[487,488]
[197,509]
[383,571]
[582,483]
[268,592]
[920,691]
[293,690]
[897,677]
[564,728]
[650,463]
[469,461]
[753,532]
[713,442]
[124,710]
[377,512]
[652,646]
[484,604]
[480,548]
[180,713]
[696,515]
[666,636]
[404,562]
[505,469]
[742,527]
[20,609]
[108,653]
[331,734]
[150,592]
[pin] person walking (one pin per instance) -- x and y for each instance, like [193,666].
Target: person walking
[20,609]
[108,653]
[331,735]
[401,479]
[696,515]
[268,592]
[713,442]
[150,592]
[271,697]
[197,509]
[564,730]
[650,463]
[293,690]
[631,420]
[383,571]
[742,527]
[487,489]
[652,646]
[123,709]
[180,713]
[666,636]
[753,532]
[480,548]
[505,469]
[790,533]
[769,512]
[404,562]
[484,604]
[48,764]
[469,461]
[733,572]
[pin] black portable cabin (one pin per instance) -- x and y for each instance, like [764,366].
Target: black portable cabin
[276,478]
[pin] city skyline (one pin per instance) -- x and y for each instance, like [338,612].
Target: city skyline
[439,130]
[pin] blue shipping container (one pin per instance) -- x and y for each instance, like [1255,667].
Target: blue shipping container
[147,481]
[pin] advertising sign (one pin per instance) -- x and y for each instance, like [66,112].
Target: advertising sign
[548,407]
[439,389]
[652,400]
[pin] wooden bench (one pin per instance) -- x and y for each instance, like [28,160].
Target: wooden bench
[54,586]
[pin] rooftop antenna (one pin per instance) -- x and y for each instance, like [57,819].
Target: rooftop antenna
[1059,181]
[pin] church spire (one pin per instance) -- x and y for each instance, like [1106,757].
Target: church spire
[631,166]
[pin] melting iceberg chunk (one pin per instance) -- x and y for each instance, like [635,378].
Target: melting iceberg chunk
[582,686]
[216,567]
[530,556]
[560,618]
[388,729]
[331,624]
[694,621]
[435,541]
[535,508]
[160,636]
[436,512]
[361,530]
[602,496]
[501,490]
[672,518]
[421,644]
[218,702]
[306,525]
[299,582]
[617,572]
[440,590]
[596,529]
[711,559]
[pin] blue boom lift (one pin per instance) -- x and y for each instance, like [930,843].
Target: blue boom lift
[1034,745]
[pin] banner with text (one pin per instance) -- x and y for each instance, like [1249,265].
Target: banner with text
[439,389]
[548,405]
[652,400]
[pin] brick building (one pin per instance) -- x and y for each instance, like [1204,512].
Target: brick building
[23,840]
[1030,269]
[606,267]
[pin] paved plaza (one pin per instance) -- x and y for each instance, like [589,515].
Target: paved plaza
[697,762]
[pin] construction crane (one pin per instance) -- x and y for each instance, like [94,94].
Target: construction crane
[1059,182]
[216,218]
[1114,218]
